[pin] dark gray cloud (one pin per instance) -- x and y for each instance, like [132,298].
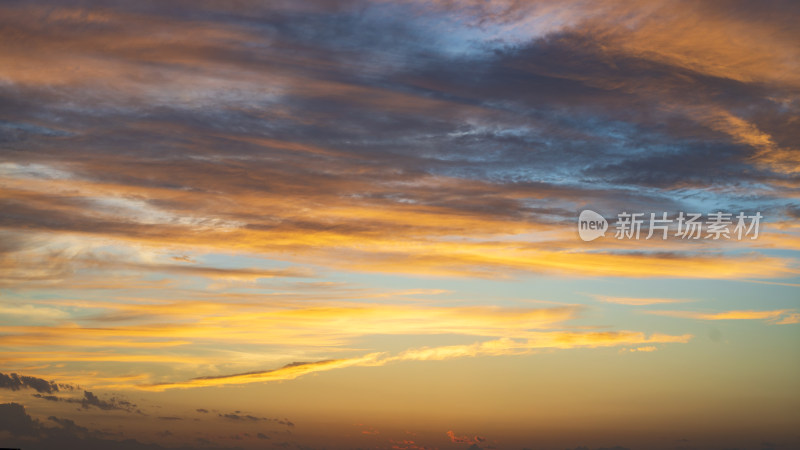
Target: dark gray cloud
[90,400]
[16,382]
[27,432]
[250,418]
[68,424]
[602,448]
[16,421]
[234,416]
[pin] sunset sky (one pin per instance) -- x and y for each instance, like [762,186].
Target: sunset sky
[341,224]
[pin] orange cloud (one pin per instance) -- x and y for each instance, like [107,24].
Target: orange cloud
[535,341]
[348,234]
[779,316]
[646,349]
[464,439]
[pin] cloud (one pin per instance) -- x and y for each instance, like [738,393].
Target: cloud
[458,439]
[465,439]
[16,421]
[534,341]
[68,424]
[287,372]
[789,319]
[778,316]
[89,399]
[209,272]
[30,312]
[143,331]
[233,416]
[616,447]
[407,444]
[25,431]
[238,416]
[649,348]
[637,301]
[16,382]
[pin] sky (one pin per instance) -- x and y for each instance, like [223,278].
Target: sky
[346,224]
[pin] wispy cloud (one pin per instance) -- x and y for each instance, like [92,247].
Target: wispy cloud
[646,349]
[89,400]
[535,341]
[638,301]
[778,316]
[170,334]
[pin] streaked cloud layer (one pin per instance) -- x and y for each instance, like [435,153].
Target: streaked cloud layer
[262,130]
[212,195]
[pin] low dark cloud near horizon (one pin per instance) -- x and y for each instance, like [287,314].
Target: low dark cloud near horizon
[238,416]
[46,389]
[29,433]
[89,400]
